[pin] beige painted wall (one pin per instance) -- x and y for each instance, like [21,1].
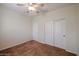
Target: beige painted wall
[77,22]
[15,28]
[69,14]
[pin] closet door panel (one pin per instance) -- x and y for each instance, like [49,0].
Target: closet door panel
[49,33]
[59,33]
[41,32]
[35,31]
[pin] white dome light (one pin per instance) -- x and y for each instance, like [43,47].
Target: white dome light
[31,8]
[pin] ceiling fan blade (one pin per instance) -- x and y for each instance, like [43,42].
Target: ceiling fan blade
[20,4]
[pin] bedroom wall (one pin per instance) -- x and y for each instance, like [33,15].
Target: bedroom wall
[77,22]
[69,14]
[15,28]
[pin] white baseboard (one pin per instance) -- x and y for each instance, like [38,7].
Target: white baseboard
[72,52]
[12,45]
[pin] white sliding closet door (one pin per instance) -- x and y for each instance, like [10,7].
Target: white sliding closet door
[59,33]
[38,32]
[49,33]
[35,31]
[41,34]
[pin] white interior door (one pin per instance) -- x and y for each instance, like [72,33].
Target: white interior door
[59,33]
[35,31]
[41,32]
[49,33]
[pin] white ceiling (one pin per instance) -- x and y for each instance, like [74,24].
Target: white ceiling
[49,7]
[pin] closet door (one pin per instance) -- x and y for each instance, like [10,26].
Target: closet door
[38,32]
[41,32]
[49,33]
[35,31]
[59,33]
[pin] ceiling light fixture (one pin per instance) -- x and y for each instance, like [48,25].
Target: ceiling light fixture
[32,7]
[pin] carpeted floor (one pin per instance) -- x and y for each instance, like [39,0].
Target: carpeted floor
[34,48]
